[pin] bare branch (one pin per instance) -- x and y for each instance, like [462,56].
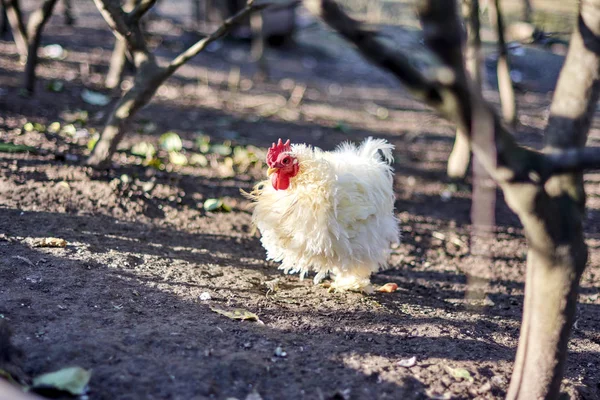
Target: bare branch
[118,21]
[140,10]
[15,19]
[578,87]
[220,32]
[505,86]
[36,24]
[460,156]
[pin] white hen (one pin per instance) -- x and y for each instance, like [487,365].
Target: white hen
[328,212]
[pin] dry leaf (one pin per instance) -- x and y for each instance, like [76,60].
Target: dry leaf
[408,362]
[238,313]
[51,242]
[388,288]
[460,373]
[73,380]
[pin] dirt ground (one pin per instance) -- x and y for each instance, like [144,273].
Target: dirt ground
[123,297]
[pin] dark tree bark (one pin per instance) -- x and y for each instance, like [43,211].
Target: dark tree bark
[68,12]
[4,25]
[149,75]
[549,201]
[460,156]
[505,86]
[36,23]
[527,11]
[15,19]
[259,46]
[28,40]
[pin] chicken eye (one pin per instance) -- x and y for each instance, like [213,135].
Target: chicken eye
[286,161]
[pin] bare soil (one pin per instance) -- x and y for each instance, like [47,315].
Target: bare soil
[123,297]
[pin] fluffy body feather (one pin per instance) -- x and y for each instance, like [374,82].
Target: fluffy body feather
[335,218]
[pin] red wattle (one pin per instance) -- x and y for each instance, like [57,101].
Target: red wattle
[280,181]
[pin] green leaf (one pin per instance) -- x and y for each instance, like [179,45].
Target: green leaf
[28,127]
[16,148]
[203,143]
[54,127]
[342,126]
[94,98]
[212,204]
[92,142]
[237,313]
[460,373]
[170,141]
[199,159]
[155,163]
[177,158]
[55,86]
[73,380]
[221,149]
[69,130]
[6,375]
[143,149]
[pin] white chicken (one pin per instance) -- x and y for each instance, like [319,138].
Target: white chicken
[328,212]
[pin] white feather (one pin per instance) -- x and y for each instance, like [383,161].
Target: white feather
[337,216]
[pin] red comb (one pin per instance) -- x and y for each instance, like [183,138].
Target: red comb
[277,149]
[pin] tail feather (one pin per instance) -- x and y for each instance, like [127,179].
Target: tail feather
[371,148]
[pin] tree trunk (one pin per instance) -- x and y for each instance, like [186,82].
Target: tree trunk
[259,46]
[36,23]
[147,81]
[15,18]
[527,11]
[558,256]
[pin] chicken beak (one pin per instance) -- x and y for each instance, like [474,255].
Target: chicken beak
[270,171]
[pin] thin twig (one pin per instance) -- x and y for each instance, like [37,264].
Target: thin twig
[220,32]
[140,10]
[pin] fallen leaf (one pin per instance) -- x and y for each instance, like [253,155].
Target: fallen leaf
[221,149]
[143,149]
[54,51]
[92,142]
[388,288]
[50,242]
[432,394]
[73,380]
[460,373]
[199,159]
[238,313]
[253,396]
[25,260]
[408,362]
[279,352]
[6,375]
[212,204]
[177,158]
[15,148]
[216,205]
[94,98]
[205,296]
[171,141]
[55,86]
[54,127]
